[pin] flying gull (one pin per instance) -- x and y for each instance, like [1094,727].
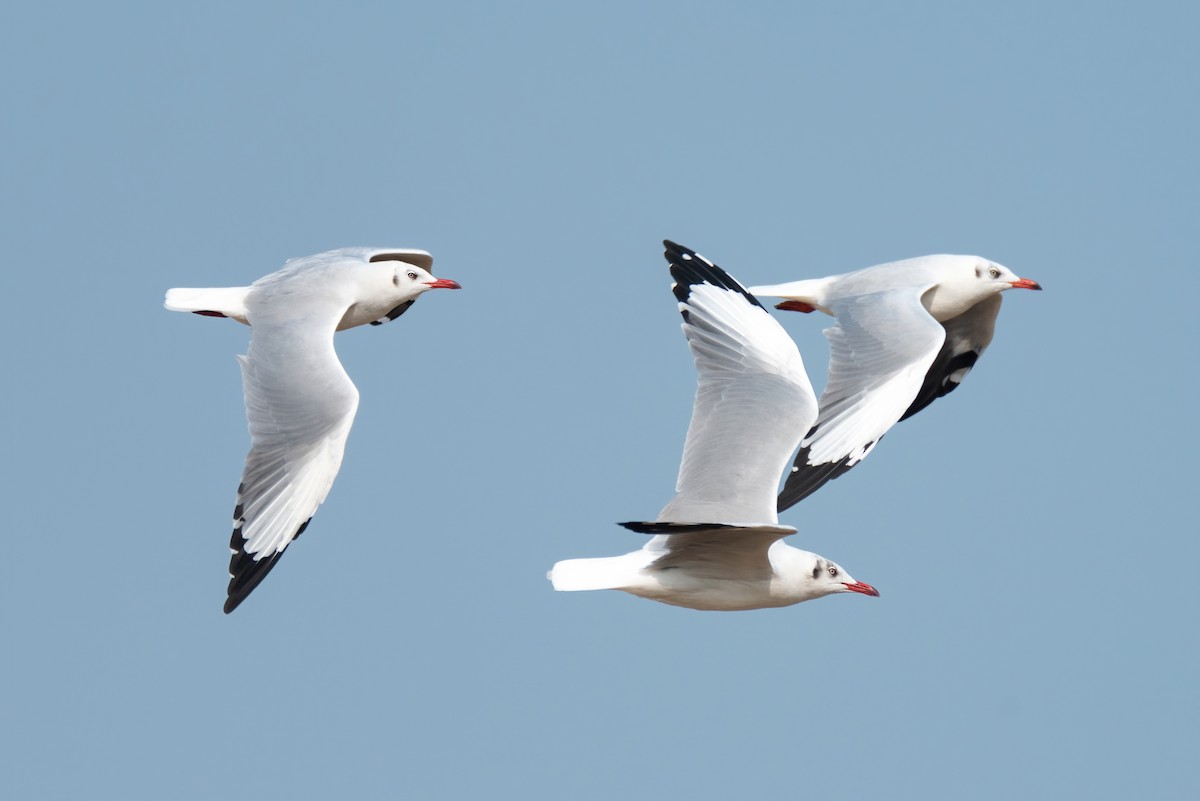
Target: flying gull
[299,401]
[718,543]
[907,333]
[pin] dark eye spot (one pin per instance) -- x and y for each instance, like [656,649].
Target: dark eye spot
[994,273]
[412,276]
[833,571]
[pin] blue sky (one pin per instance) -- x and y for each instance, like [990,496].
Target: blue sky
[1032,535]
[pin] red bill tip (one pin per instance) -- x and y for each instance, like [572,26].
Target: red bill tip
[1026,283]
[443,283]
[858,586]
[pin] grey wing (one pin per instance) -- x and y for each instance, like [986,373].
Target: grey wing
[753,400]
[967,337]
[300,405]
[719,552]
[880,351]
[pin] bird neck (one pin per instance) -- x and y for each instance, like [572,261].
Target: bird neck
[792,570]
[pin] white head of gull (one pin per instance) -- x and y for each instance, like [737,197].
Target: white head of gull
[299,401]
[718,544]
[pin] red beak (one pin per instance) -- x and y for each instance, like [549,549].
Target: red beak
[1026,283]
[858,586]
[795,305]
[446,283]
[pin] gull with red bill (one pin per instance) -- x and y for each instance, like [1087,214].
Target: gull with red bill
[300,403]
[718,544]
[907,333]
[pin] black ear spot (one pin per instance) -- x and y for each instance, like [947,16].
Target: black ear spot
[979,272]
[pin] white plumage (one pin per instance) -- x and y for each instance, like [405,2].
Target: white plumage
[907,333]
[300,403]
[717,544]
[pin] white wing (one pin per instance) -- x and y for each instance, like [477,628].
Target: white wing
[880,351]
[300,405]
[753,400]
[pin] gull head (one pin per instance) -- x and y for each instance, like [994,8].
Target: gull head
[408,281]
[807,575]
[963,281]
[833,578]
[399,275]
[387,283]
[998,277]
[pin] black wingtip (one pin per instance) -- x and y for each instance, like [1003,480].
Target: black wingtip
[394,313]
[674,251]
[805,479]
[245,572]
[689,268]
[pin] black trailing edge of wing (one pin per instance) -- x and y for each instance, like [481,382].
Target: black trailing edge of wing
[652,527]
[677,529]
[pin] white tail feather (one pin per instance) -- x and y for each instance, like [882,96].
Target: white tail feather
[810,291]
[606,573]
[229,301]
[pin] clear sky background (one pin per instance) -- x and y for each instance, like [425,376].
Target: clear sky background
[1033,535]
